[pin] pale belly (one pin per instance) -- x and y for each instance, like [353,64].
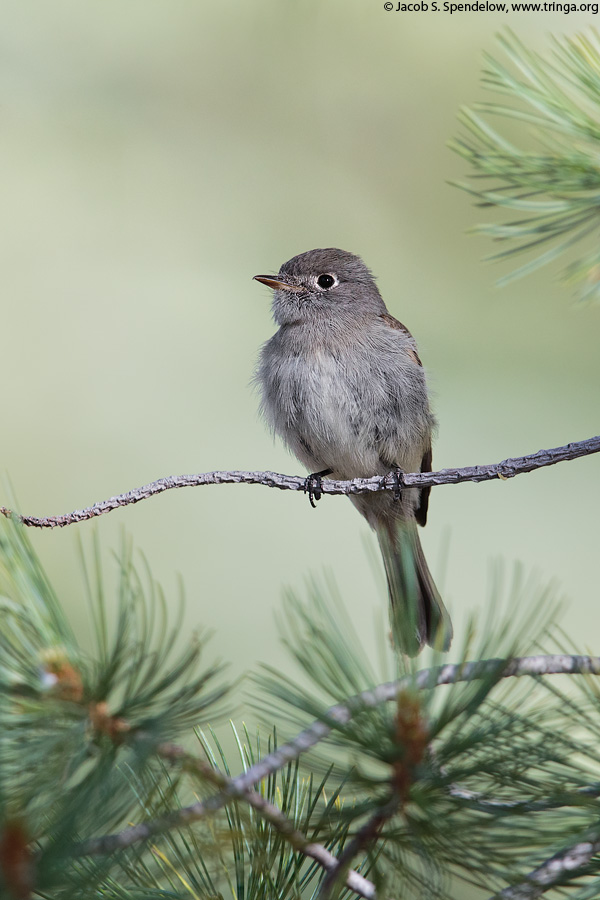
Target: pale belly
[334,416]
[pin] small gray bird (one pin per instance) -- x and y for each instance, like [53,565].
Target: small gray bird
[344,387]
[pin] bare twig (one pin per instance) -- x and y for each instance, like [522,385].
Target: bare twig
[555,871]
[477,800]
[536,666]
[508,468]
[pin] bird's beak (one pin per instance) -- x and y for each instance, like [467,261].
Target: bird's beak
[276,284]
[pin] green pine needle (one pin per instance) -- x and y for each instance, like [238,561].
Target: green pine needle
[551,171]
[508,763]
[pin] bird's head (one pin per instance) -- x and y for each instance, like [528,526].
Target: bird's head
[322,284]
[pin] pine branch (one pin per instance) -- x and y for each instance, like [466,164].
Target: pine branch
[362,840]
[332,865]
[272,814]
[552,186]
[426,679]
[504,470]
[557,870]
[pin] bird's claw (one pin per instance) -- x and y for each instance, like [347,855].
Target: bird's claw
[313,486]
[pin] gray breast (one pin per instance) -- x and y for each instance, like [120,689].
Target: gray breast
[345,405]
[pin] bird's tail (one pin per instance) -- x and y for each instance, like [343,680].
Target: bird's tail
[417,612]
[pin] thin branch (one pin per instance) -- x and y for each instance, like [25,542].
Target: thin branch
[504,470]
[353,880]
[328,862]
[362,840]
[331,864]
[237,788]
[477,800]
[426,679]
[555,871]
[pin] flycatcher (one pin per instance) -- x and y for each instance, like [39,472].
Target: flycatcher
[343,385]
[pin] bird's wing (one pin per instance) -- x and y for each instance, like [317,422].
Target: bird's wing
[426,462]
[421,510]
[391,322]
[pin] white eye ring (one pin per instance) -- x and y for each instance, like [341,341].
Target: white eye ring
[326,281]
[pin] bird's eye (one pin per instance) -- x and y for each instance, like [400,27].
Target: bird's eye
[325,281]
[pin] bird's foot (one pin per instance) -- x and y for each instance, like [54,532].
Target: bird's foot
[313,486]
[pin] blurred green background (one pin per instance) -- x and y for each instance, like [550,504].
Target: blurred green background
[155,156]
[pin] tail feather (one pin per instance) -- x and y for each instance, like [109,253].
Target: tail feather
[418,614]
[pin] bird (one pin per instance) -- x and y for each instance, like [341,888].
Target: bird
[342,384]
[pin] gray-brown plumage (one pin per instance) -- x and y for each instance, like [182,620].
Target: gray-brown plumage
[343,385]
